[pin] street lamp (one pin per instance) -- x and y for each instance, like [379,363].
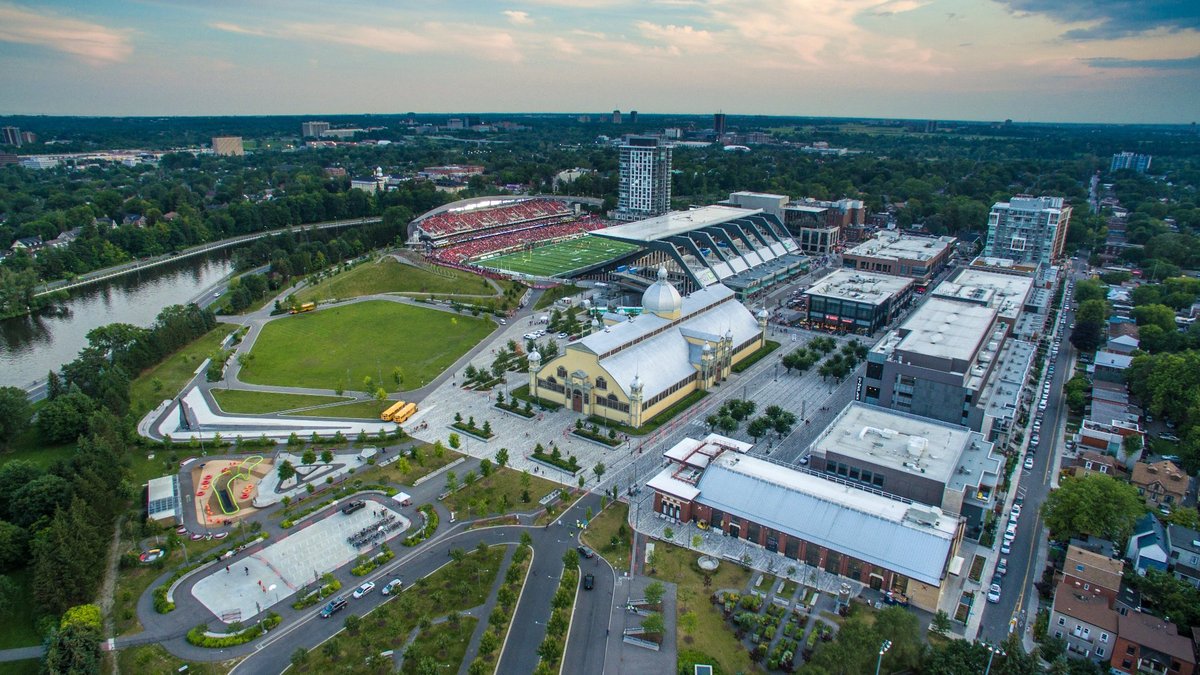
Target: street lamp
[883,649]
[992,651]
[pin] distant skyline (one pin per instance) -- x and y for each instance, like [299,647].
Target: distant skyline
[1028,60]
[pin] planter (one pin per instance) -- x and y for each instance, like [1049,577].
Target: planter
[549,463]
[519,412]
[477,434]
[597,439]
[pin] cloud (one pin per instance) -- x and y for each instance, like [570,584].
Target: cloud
[678,39]
[1109,19]
[234,28]
[1186,63]
[899,7]
[518,18]
[90,42]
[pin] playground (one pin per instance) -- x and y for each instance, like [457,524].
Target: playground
[225,489]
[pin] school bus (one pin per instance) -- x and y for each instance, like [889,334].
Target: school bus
[404,413]
[306,307]
[386,415]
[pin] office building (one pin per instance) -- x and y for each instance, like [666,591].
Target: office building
[893,253]
[644,190]
[11,136]
[1028,229]
[825,524]
[858,302]
[616,117]
[313,129]
[227,146]
[28,138]
[633,117]
[1131,160]
[915,458]
[719,125]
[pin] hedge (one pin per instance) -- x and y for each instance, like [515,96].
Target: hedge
[198,636]
[427,530]
[366,566]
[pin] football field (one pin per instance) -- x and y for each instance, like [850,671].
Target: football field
[563,258]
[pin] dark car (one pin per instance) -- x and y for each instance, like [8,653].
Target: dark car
[586,552]
[589,582]
[353,506]
[334,606]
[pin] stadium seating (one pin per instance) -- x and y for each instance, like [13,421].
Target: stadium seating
[456,222]
[511,239]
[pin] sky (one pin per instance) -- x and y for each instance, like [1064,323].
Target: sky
[1123,61]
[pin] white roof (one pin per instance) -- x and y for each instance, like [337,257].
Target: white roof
[675,222]
[1007,292]
[1113,359]
[894,246]
[666,482]
[947,329]
[870,527]
[869,288]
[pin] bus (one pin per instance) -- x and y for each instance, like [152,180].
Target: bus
[306,307]
[408,410]
[386,415]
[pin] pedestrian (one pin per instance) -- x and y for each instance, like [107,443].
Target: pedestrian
[247,570]
[227,569]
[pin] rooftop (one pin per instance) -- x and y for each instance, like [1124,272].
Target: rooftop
[1003,390]
[950,330]
[675,222]
[863,287]
[894,246]
[1089,608]
[1005,292]
[900,441]
[1157,634]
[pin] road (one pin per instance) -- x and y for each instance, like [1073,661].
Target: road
[1018,600]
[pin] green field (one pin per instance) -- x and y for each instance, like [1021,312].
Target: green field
[336,348]
[389,276]
[561,258]
[240,401]
[357,410]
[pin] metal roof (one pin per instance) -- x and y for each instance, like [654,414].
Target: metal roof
[869,527]
[675,222]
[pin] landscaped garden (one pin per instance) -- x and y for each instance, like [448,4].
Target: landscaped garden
[608,534]
[502,490]
[362,346]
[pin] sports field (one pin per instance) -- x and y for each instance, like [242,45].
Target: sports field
[336,348]
[562,258]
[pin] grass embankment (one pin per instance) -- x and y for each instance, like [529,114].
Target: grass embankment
[29,447]
[389,276]
[553,295]
[240,401]
[608,534]
[444,644]
[153,658]
[17,627]
[356,410]
[167,378]
[498,493]
[454,588]
[339,347]
[711,636]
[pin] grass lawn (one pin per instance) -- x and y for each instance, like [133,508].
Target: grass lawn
[453,588]
[256,402]
[712,636]
[552,295]
[603,528]
[340,346]
[356,410]
[426,463]
[28,447]
[389,276]
[174,371]
[453,638]
[153,659]
[486,496]
[26,667]
[561,258]
[16,626]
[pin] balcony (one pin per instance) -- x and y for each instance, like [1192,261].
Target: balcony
[1151,667]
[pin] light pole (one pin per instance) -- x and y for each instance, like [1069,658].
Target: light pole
[992,651]
[883,649]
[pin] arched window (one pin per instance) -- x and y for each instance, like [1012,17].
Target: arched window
[612,397]
[601,383]
[562,372]
[551,380]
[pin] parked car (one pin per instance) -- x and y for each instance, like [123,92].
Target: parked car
[586,552]
[589,582]
[1002,567]
[365,588]
[1029,462]
[1006,547]
[353,506]
[392,586]
[993,594]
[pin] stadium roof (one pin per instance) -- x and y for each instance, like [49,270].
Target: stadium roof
[673,223]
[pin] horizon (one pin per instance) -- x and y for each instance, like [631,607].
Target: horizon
[1032,61]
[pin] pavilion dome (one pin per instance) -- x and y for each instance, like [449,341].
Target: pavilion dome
[661,297]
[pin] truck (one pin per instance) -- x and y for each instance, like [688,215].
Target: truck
[306,307]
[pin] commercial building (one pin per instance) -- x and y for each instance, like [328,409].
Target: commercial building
[1009,294]
[856,301]
[616,117]
[817,229]
[313,129]
[1131,160]
[644,188]
[950,361]
[632,368]
[228,146]
[11,136]
[893,253]
[918,459]
[451,171]
[1085,622]
[719,125]
[1028,229]
[882,541]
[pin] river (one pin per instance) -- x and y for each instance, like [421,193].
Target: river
[30,346]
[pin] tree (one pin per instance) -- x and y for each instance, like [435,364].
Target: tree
[727,423]
[654,592]
[309,457]
[654,623]
[65,418]
[1171,598]
[299,656]
[598,470]
[502,457]
[455,441]
[941,622]
[485,467]
[327,456]
[488,642]
[570,559]
[1088,333]
[451,481]
[14,414]
[1096,504]
[1155,315]
[1090,289]
[14,546]
[286,471]
[758,428]
[74,649]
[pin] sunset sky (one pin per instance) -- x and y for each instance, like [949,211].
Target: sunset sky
[1028,60]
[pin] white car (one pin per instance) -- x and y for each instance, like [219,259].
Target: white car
[1029,462]
[993,594]
[391,587]
[562,336]
[364,589]
[1006,547]
[1016,509]
[1042,405]
[1002,567]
